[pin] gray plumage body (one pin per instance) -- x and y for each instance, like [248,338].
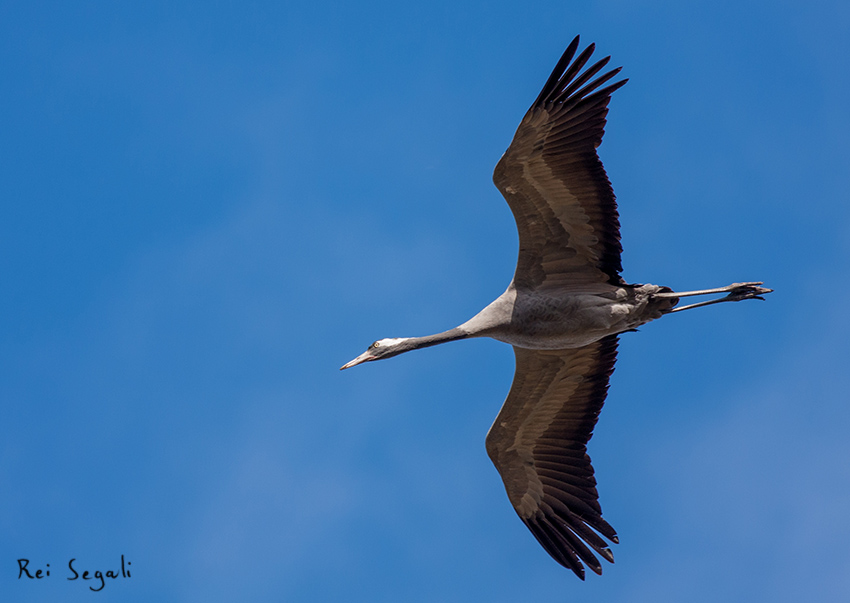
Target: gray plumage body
[549,321]
[562,312]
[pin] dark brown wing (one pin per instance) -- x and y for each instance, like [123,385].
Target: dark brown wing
[554,182]
[539,445]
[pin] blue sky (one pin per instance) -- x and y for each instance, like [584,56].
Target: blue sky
[208,208]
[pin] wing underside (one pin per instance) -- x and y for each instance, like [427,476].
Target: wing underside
[539,446]
[555,185]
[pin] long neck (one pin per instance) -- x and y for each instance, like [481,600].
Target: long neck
[415,343]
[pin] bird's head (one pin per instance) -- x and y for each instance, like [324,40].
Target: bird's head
[383,348]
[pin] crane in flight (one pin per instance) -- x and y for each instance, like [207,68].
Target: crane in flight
[562,312]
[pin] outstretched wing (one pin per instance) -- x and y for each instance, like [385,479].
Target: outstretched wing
[555,185]
[539,446]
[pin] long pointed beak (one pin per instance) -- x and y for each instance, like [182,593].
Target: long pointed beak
[364,357]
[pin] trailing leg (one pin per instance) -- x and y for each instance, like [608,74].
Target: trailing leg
[735,292]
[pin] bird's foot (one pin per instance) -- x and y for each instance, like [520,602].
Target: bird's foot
[740,291]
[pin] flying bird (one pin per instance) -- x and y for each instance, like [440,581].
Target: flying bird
[562,312]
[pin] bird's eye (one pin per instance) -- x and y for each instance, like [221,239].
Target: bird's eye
[377,344]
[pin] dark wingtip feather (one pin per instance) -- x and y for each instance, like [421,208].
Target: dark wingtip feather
[615,86]
[577,66]
[603,527]
[568,547]
[581,79]
[547,535]
[564,86]
[558,71]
